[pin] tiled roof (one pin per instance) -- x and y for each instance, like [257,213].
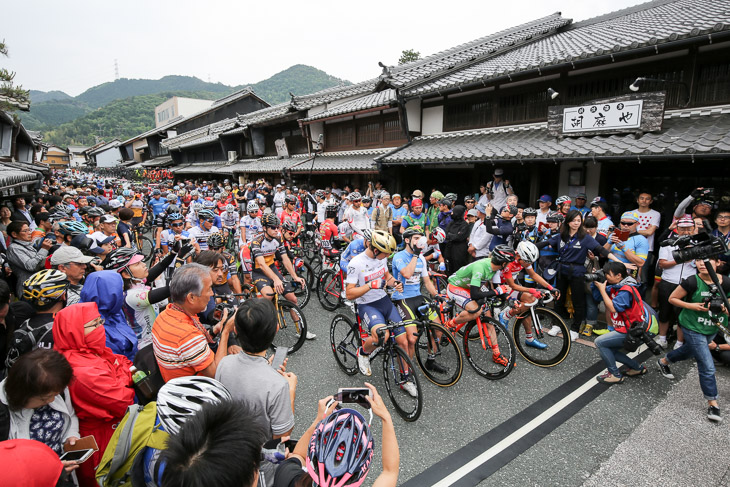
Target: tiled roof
[10,176]
[648,24]
[199,136]
[683,132]
[155,130]
[329,162]
[329,95]
[265,114]
[382,98]
[232,97]
[216,167]
[470,52]
[158,162]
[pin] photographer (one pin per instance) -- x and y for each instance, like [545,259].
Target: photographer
[624,307]
[695,296]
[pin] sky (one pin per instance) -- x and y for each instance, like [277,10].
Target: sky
[72,45]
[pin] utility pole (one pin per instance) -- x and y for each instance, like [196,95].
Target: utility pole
[116,70]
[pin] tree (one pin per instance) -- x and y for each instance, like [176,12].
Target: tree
[12,98]
[408,56]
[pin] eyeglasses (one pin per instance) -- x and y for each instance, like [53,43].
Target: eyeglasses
[723,217]
[177,224]
[96,323]
[289,232]
[628,224]
[211,220]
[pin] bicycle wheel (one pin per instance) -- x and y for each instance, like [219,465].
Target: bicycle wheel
[329,289]
[441,283]
[395,363]
[306,272]
[292,329]
[438,355]
[302,293]
[147,248]
[345,341]
[480,355]
[558,346]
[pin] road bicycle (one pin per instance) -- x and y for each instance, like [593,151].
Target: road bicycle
[346,338]
[548,327]
[330,284]
[144,245]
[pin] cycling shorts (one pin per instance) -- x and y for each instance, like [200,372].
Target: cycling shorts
[379,313]
[408,309]
[246,262]
[461,296]
[260,280]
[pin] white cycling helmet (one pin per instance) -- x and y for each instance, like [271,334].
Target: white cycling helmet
[184,396]
[528,251]
[438,234]
[230,208]
[252,206]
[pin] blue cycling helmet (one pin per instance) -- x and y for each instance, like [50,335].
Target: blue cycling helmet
[73,228]
[341,449]
[206,215]
[208,204]
[174,216]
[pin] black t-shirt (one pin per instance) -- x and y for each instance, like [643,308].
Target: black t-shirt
[289,471]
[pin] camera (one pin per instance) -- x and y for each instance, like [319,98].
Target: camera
[636,335]
[714,301]
[598,276]
[220,307]
[694,247]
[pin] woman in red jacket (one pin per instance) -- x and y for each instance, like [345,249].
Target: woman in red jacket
[102,388]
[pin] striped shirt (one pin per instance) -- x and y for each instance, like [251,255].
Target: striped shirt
[180,344]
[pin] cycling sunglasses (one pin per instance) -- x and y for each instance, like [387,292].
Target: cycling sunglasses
[176,224]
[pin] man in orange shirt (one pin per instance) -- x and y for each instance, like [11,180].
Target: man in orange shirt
[181,344]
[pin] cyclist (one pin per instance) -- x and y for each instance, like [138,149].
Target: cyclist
[175,233]
[230,278]
[356,215]
[139,213]
[229,220]
[250,224]
[210,205]
[205,228]
[410,268]
[328,232]
[527,254]
[161,223]
[191,219]
[156,203]
[266,249]
[356,247]
[289,213]
[432,252]
[367,275]
[473,283]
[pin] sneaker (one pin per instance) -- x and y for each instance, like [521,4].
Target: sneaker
[678,344]
[310,335]
[582,327]
[713,414]
[434,366]
[666,372]
[504,318]
[662,342]
[587,330]
[635,373]
[609,378]
[410,388]
[554,331]
[601,331]
[500,359]
[573,335]
[363,361]
[535,343]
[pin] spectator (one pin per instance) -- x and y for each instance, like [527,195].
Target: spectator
[382,215]
[106,289]
[545,202]
[200,453]
[23,258]
[722,220]
[599,210]
[21,213]
[444,217]
[632,251]
[27,463]
[432,213]
[623,308]
[181,343]
[102,387]
[457,234]
[399,213]
[698,202]
[5,218]
[498,189]
[11,317]
[71,262]
[500,226]
[124,228]
[580,204]
[43,225]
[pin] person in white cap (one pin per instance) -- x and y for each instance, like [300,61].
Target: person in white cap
[73,263]
[498,189]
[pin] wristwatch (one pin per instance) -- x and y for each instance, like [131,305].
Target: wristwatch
[717,348]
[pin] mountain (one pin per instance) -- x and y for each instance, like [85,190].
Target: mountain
[99,110]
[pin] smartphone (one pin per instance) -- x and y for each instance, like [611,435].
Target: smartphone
[354,395]
[79,456]
[279,357]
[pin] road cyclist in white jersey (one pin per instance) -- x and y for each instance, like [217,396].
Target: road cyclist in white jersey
[367,277]
[250,224]
[229,220]
[170,236]
[356,215]
[204,229]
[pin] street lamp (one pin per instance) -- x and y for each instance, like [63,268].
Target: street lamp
[636,85]
[554,94]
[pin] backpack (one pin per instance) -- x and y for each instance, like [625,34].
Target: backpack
[4,422]
[26,339]
[133,434]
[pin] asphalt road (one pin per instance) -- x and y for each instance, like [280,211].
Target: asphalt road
[452,417]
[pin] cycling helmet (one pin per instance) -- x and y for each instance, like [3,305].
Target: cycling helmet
[120,198]
[208,204]
[354,196]
[340,450]
[172,209]
[197,207]
[289,226]
[57,214]
[529,211]
[44,288]
[367,234]
[174,216]
[206,215]
[269,220]
[290,198]
[528,251]
[156,192]
[383,241]
[72,228]
[503,254]
[562,199]
[227,188]
[172,197]
[330,211]
[119,259]
[230,208]
[367,199]
[217,196]
[95,211]
[215,241]
[451,196]
[412,230]
[84,210]
[319,193]
[183,397]
[194,193]
[554,217]
[252,206]
[438,234]
[126,192]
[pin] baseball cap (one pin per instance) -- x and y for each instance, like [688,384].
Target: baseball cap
[597,199]
[581,195]
[481,208]
[102,241]
[499,171]
[67,254]
[108,218]
[472,212]
[630,215]
[416,202]
[511,208]
[545,198]
[29,462]
[437,195]
[115,203]
[417,194]
[686,221]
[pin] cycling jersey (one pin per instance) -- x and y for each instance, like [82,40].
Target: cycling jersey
[356,247]
[137,208]
[252,225]
[412,285]
[201,235]
[167,238]
[328,232]
[158,205]
[292,217]
[140,313]
[357,218]
[161,220]
[230,220]
[230,261]
[474,274]
[270,250]
[361,271]
[511,271]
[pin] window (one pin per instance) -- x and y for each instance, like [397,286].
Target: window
[469,114]
[713,83]
[64,158]
[369,132]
